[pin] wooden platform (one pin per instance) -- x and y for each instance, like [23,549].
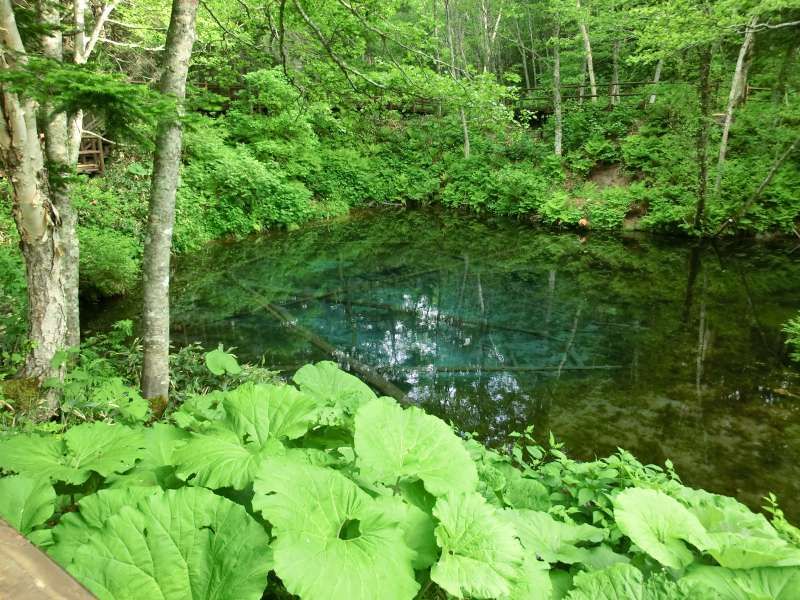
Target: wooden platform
[92,154]
[27,573]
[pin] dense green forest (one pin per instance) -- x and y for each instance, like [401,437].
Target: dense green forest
[456,159]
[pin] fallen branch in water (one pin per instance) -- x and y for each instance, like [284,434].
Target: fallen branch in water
[499,368]
[347,362]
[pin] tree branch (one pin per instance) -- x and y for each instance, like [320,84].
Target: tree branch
[343,66]
[98,28]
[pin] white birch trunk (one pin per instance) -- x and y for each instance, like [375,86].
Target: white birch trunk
[615,73]
[59,157]
[454,74]
[656,79]
[166,169]
[557,91]
[35,214]
[587,48]
[735,94]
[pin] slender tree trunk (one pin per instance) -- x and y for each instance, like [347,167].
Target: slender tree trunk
[524,55]
[656,79]
[582,81]
[737,90]
[615,73]
[704,93]
[557,89]
[533,47]
[166,167]
[35,214]
[57,148]
[587,48]
[454,74]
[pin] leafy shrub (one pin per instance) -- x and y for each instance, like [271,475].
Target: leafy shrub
[13,309]
[792,331]
[109,261]
[342,493]
[560,207]
[240,194]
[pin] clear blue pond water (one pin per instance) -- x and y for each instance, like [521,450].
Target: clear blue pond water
[649,344]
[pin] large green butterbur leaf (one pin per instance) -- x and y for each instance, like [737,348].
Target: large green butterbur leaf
[179,544]
[552,541]
[155,468]
[393,443]
[100,447]
[333,541]
[417,526]
[533,582]
[626,582]
[331,387]
[26,502]
[258,413]
[740,539]
[257,418]
[75,529]
[481,556]
[659,525]
[766,583]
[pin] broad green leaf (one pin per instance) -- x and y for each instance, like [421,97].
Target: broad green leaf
[257,418]
[765,583]
[45,455]
[200,411]
[261,412]
[101,447]
[533,582]
[743,551]
[418,529]
[561,582]
[600,557]
[26,502]
[552,541]
[219,458]
[156,465]
[659,525]
[333,541]
[623,581]
[393,443]
[480,552]
[521,492]
[740,538]
[220,362]
[332,387]
[74,529]
[178,544]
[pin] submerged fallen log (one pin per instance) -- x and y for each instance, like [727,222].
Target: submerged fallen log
[500,368]
[350,363]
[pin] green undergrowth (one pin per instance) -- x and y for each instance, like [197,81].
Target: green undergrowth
[321,489]
[792,331]
[275,159]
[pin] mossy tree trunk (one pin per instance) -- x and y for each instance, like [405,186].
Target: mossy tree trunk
[35,211]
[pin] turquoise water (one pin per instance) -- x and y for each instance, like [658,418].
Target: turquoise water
[643,343]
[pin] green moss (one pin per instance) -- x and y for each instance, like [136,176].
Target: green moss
[21,394]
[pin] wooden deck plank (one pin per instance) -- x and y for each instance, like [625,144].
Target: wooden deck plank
[27,573]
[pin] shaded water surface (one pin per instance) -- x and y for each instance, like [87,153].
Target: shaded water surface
[668,351]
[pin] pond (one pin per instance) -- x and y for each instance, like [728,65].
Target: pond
[648,344]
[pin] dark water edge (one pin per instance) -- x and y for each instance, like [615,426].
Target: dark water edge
[667,350]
